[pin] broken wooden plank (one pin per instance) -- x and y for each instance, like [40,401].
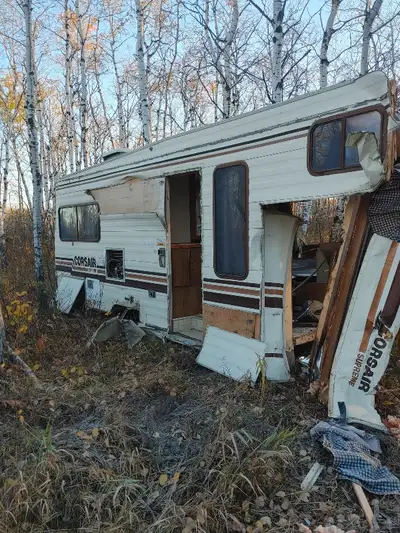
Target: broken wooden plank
[342,283]
[362,499]
[302,335]
[312,476]
[350,217]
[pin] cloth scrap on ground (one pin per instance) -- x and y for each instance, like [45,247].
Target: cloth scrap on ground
[351,449]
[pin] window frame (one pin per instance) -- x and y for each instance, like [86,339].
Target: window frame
[246,251]
[342,117]
[77,222]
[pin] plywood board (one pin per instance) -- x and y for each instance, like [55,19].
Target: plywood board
[233,320]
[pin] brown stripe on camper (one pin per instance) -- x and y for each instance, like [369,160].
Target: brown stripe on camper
[229,299]
[391,307]
[278,292]
[146,278]
[238,290]
[137,284]
[270,284]
[231,282]
[369,325]
[274,302]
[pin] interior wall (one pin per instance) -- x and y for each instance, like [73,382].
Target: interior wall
[180,209]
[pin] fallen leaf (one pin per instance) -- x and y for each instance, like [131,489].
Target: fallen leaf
[35,367]
[285,503]
[40,344]
[95,433]
[52,403]
[163,479]
[175,477]
[13,403]
[21,418]
[80,434]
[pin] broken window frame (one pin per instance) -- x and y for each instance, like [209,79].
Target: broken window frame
[342,168]
[78,238]
[223,275]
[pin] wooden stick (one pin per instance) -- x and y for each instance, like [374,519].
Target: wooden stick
[362,500]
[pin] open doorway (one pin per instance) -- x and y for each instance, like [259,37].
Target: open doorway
[185,238]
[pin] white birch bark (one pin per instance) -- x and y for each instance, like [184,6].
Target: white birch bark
[326,39]
[228,41]
[277,20]
[83,111]
[122,135]
[34,154]
[369,18]
[70,123]
[143,85]
[4,191]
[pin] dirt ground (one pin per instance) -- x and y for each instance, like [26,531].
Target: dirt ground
[145,440]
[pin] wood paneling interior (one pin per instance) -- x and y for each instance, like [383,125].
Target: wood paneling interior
[233,320]
[186,280]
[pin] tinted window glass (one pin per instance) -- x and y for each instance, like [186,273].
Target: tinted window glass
[88,222]
[230,231]
[68,224]
[368,122]
[326,146]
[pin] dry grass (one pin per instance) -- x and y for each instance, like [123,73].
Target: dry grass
[147,441]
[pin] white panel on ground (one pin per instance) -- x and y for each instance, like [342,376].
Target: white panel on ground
[363,351]
[230,354]
[68,289]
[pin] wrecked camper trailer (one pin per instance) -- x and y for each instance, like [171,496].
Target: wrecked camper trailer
[196,234]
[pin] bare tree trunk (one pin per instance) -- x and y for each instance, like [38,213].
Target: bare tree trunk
[370,15]
[83,112]
[326,39]
[70,123]
[143,86]
[228,78]
[277,81]
[34,156]
[21,175]
[122,135]
[4,191]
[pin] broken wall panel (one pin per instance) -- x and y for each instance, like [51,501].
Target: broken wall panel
[340,283]
[363,351]
[279,234]
[134,195]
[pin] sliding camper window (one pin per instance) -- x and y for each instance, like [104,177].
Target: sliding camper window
[328,152]
[79,223]
[231,221]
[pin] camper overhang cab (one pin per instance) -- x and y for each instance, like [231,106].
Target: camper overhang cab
[198,234]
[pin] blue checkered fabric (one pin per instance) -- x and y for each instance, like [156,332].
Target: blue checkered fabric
[351,449]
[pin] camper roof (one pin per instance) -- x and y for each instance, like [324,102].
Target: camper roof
[128,161]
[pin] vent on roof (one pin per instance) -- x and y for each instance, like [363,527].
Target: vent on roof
[115,153]
[115,268]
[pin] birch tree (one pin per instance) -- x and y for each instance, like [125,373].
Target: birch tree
[83,110]
[34,154]
[370,14]
[329,30]
[144,112]
[5,148]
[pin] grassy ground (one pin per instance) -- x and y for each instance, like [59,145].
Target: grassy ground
[148,441]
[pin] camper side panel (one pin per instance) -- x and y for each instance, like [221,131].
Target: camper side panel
[144,285]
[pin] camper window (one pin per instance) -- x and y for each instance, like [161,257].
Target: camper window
[328,152]
[230,221]
[79,223]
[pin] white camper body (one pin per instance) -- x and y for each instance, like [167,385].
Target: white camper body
[151,253]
